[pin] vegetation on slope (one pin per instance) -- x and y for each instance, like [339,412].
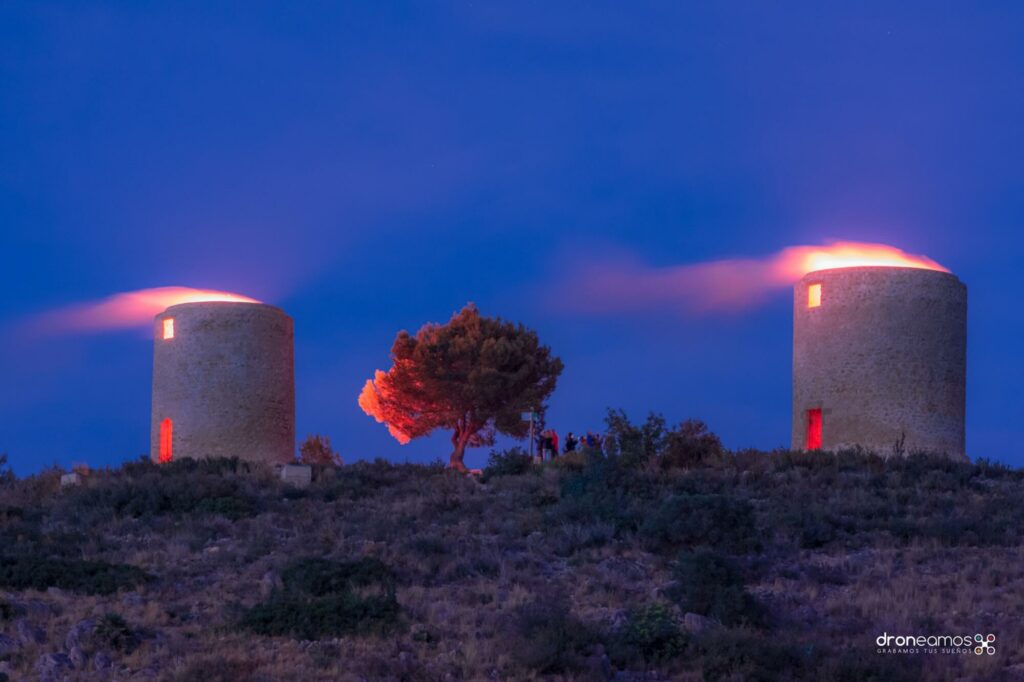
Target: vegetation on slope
[667,557]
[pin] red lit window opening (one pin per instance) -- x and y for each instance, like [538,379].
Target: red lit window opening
[814,429]
[166,440]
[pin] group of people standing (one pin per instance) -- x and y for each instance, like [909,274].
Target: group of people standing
[548,444]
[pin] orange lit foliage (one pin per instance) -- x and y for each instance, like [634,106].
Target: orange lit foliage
[317,450]
[474,375]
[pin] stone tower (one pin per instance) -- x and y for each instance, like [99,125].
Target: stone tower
[223,382]
[880,360]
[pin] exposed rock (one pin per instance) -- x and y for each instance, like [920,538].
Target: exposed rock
[77,657]
[8,645]
[696,623]
[618,619]
[148,673]
[29,634]
[598,664]
[52,666]
[78,633]
[133,599]
[101,661]
[269,583]
[298,475]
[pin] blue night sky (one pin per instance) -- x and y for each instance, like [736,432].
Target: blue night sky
[370,168]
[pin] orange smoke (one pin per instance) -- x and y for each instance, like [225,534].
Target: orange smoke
[130,309]
[796,261]
[732,284]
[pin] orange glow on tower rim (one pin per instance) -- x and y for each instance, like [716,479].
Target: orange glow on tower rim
[797,261]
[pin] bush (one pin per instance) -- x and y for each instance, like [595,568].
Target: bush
[6,474]
[720,521]
[319,598]
[544,638]
[732,655]
[737,655]
[76,575]
[218,670]
[317,450]
[709,584]
[332,615]
[320,577]
[634,444]
[690,444]
[650,634]
[607,489]
[513,462]
[181,487]
[9,611]
[112,632]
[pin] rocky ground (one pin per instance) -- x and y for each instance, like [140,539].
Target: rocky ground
[740,566]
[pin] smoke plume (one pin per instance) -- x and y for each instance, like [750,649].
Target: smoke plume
[133,309]
[722,285]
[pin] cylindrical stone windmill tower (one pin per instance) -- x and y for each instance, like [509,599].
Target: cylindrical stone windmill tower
[223,382]
[880,360]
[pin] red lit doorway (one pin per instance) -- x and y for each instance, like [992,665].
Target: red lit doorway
[166,440]
[814,429]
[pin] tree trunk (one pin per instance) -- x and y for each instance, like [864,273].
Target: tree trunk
[459,440]
[455,462]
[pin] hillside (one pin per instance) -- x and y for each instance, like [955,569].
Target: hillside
[700,565]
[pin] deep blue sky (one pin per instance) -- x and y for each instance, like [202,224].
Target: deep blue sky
[373,167]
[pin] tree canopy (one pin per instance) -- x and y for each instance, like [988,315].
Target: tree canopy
[475,375]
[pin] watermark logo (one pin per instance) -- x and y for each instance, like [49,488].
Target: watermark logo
[979,644]
[985,644]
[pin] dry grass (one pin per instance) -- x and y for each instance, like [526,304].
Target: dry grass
[845,553]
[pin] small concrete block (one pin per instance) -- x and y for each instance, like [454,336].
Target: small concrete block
[70,479]
[298,475]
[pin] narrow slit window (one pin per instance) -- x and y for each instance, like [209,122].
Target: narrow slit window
[814,429]
[814,296]
[168,328]
[166,441]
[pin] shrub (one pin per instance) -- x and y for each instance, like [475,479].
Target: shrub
[316,449]
[634,444]
[709,584]
[720,521]
[320,598]
[219,670]
[76,575]
[650,634]
[737,655]
[607,489]
[690,444]
[320,577]
[6,474]
[181,487]
[543,637]
[8,513]
[330,615]
[9,611]
[513,462]
[734,655]
[112,632]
